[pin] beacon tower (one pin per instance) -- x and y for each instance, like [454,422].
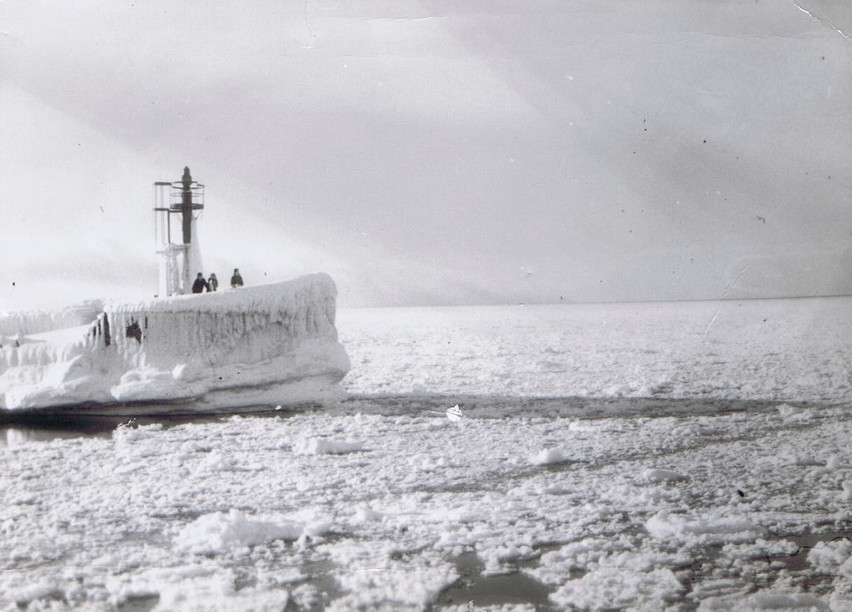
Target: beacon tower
[179,261]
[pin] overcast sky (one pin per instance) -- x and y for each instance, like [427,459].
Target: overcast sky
[433,152]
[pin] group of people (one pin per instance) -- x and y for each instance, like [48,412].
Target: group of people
[212,284]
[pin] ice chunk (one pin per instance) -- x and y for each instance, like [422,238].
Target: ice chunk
[610,587]
[325,446]
[793,414]
[27,594]
[548,456]
[217,532]
[833,557]
[658,475]
[711,529]
[365,513]
[767,600]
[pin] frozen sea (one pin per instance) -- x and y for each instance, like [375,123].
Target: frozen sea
[656,456]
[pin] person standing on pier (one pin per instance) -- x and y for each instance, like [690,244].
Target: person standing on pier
[200,285]
[236,279]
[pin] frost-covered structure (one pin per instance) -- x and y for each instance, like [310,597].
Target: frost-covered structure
[268,344]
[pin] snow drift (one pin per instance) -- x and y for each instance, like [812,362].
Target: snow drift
[273,343]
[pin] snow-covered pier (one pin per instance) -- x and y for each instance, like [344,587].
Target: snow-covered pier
[273,343]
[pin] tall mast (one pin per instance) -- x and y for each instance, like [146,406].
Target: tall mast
[186,205]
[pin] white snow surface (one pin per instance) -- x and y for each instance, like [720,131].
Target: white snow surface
[268,343]
[683,499]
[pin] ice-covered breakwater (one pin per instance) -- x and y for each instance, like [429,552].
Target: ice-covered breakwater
[13,324]
[273,343]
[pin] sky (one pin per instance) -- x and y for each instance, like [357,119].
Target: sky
[430,153]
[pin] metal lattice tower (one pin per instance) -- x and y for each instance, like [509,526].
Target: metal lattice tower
[179,261]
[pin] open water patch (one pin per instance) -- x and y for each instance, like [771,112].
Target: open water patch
[497,407]
[479,591]
[139,603]
[805,542]
[763,568]
[88,420]
[17,427]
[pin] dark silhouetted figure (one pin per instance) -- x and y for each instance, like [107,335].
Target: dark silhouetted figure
[200,285]
[213,282]
[236,279]
[134,331]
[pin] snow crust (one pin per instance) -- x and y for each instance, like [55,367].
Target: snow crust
[272,343]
